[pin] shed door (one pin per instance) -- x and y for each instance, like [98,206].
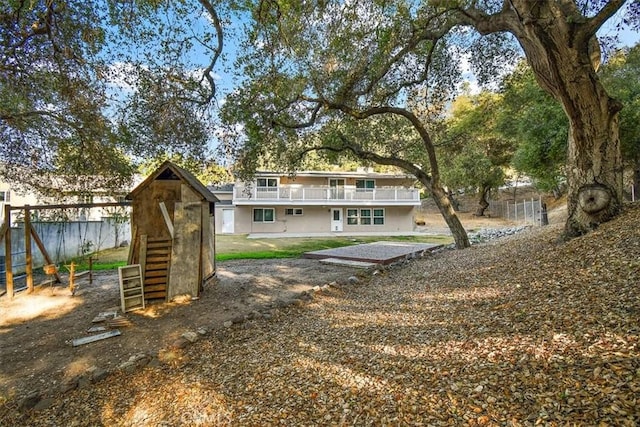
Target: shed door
[227,221]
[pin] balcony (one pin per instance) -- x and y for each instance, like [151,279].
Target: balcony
[325,195]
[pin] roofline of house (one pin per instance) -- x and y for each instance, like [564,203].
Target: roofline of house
[339,174]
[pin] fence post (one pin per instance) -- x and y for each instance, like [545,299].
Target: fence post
[27,249]
[8,270]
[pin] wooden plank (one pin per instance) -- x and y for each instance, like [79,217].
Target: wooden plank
[158,258]
[184,275]
[73,206]
[164,245]
[159,251]
[44,252]
[132,246]
[167,218]
[155,295]
[142,259]
[159,239]
[27,250]
[8,265]
[81,274]
[154,288]
[92,338]
[155,273]
[155,281]
[156,266]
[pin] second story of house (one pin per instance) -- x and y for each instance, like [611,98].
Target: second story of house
[310,188]
[19,197]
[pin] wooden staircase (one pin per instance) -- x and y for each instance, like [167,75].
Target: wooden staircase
[155,255]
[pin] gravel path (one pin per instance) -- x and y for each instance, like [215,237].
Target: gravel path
[519,331]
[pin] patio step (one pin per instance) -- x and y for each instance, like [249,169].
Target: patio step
[348,262]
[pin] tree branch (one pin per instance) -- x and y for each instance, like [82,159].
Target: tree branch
[608,10]
[217,51]
[357,150]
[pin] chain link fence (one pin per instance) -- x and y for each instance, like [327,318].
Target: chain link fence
[524,212]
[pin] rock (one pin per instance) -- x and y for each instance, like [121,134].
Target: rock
[254,315]
[43,404]
[98,375]
[202,331]
[128,367]
[353,280]
[180,343]
[140,359]
[68,385]
[84,381]
[30,400]
[227,324]
[190,336]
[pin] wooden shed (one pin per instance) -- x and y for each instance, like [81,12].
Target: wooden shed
[173,232]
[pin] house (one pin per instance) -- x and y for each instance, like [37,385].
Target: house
[10,194]
[224,209]
[323,202]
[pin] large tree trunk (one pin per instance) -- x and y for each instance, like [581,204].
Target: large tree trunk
[483,203]
[594,173]
[560,44]
[446,210]
[564,62]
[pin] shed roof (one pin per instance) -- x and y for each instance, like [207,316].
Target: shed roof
[168,171]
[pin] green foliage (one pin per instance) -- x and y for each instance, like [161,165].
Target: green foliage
[474,154]
[535,122]
[621,77]
[207,171]
[86,84]
[52,98]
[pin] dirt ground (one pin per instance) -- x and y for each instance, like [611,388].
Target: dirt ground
[36,330]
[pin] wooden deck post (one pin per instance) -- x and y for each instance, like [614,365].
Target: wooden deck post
[8,265]
[27,249]
[44,252]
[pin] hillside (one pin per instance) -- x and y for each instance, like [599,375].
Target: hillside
[524,330]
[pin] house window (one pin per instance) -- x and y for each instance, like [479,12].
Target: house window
[365,184]
[4,196]
[267,184]
[292,211]
[365,216]
[85,198]
[264,215]
[352,216]
[337,188]
[378,216]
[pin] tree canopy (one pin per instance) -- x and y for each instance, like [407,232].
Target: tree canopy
[319,73]
[87,91]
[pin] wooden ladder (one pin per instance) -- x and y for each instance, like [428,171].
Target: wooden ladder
[155,254]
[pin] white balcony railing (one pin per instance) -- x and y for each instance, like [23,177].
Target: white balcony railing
[325,193]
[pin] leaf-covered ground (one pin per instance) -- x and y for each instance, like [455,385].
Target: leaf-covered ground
[522,331]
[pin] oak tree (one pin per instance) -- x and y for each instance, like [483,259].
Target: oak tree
[315,64]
